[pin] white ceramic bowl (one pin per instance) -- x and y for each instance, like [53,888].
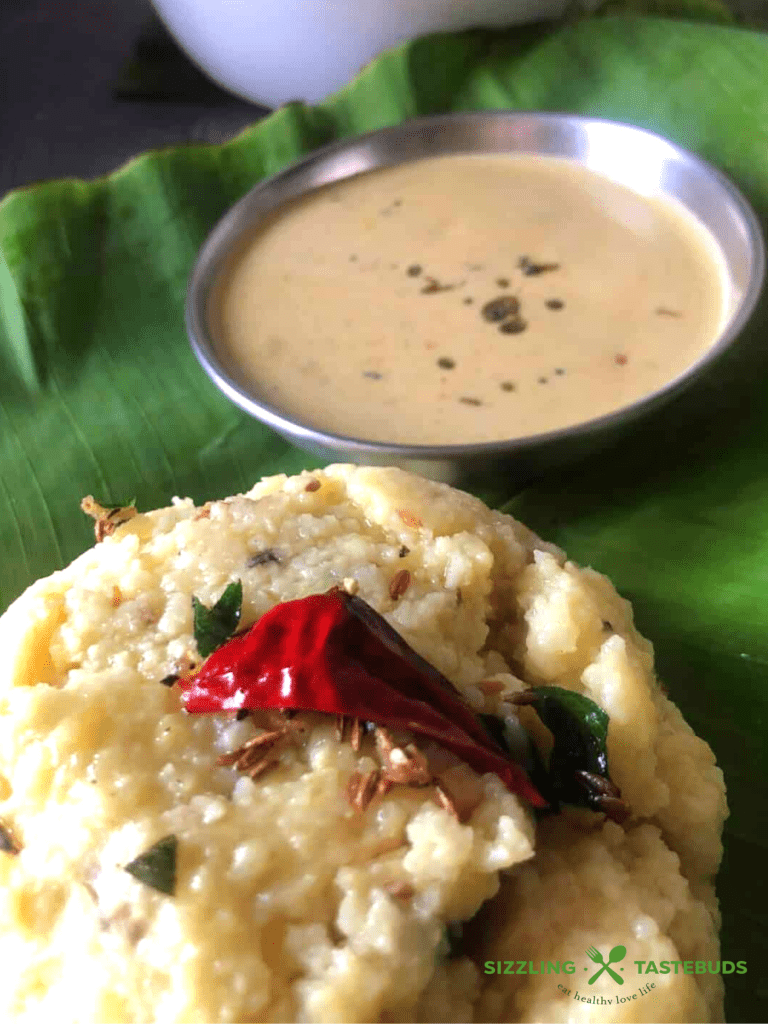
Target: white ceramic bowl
[273,51]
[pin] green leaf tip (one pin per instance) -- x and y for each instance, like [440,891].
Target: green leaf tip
[156,867]
[561,709]
[214,626]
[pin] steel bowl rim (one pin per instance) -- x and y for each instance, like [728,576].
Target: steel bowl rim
[233,225]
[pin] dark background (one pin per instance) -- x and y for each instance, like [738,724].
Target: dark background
[87,84]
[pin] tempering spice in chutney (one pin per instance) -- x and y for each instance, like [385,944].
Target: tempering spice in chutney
[513,267]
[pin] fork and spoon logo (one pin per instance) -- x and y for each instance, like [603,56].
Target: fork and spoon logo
[615,956]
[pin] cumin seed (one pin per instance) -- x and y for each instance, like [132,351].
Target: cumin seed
[361,789]
[266,765]
[406,767]
[263,740]
[400,890]
[399,584]
[598,784]
[409,518]
[614,808]
[8,841]
[356,736]
[490,686]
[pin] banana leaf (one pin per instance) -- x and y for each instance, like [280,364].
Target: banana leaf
[99,392]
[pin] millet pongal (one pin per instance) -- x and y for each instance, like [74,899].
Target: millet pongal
[304,889]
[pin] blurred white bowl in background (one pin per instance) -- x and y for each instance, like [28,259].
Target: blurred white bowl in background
[273,51]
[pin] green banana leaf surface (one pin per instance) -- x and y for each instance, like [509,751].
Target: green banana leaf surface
[100,393]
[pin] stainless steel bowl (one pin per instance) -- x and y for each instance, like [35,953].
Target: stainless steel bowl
[641,160]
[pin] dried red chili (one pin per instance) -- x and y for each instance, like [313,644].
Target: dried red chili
[333,653]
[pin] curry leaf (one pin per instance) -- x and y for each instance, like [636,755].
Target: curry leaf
[576,771]
[156,867]
[215,625]
[580,726]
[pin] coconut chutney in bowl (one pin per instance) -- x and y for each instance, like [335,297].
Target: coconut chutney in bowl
[474,285]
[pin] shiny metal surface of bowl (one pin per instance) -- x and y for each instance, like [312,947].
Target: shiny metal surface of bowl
[647,163]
